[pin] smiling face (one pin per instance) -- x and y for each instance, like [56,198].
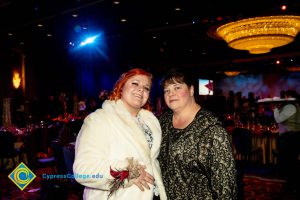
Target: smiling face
[178,95]
[135,93]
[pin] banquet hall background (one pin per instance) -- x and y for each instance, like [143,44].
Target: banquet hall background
[48,84]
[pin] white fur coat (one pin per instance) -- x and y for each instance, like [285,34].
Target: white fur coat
[109,136]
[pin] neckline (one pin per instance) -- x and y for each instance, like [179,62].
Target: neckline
[188,126]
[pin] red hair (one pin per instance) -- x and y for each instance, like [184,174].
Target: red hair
[116,93]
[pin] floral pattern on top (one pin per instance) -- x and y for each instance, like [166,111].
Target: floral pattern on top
[197,161]
[147,131]
[149,138]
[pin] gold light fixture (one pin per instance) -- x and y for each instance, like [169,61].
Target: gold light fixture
[293,69]
[16,80]
[259,35]
[232,73]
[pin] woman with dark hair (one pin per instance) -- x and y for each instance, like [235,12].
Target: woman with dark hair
[121,142]
[196,156]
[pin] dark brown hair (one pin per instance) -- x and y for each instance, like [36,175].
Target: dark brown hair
[176,76]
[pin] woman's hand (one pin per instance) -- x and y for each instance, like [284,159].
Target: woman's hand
[144,178]
[138,175]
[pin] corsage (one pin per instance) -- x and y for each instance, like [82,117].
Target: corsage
[122,178]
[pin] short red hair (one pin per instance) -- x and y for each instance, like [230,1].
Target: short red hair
[116,93]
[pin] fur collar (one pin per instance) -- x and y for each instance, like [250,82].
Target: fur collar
[126,123]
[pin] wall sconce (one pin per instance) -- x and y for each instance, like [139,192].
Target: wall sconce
[259,35]
[16,79]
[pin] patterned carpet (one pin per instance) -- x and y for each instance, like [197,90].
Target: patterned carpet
[255,188]
[258,188]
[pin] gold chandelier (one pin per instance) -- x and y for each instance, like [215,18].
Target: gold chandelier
[260,34]
[232,73]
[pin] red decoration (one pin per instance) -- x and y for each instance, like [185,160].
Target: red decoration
[121,175]
[118,181]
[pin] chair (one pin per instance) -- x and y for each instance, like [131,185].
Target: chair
[37,149]
[69,157]
[71,131]
[245,154]
[59,156]
[7,150]
[244,149]
[268,140]
[75,127]
[275,155]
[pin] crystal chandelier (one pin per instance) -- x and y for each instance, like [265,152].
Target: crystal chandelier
[259,35]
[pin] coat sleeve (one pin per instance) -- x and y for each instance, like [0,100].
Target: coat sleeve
[287,111]
[92,154]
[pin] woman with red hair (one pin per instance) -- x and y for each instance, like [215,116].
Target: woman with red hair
[117,91]
[120,143]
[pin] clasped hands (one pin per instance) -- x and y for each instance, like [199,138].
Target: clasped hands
[138,175]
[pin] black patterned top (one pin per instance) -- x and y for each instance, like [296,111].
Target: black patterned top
[197,161]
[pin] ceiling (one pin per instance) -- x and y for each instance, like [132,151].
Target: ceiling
[155,35]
